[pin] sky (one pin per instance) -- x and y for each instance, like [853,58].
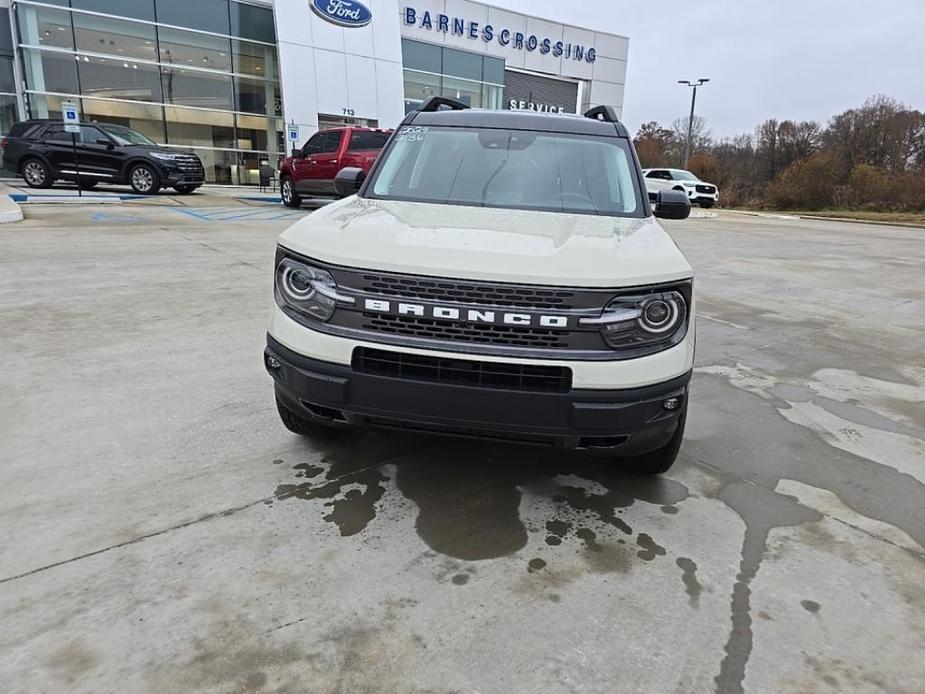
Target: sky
[786,59]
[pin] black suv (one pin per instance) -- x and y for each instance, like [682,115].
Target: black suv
[42,152]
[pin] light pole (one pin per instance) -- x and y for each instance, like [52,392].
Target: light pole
[690,123]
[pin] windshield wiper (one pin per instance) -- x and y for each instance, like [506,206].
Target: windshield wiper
[507,156]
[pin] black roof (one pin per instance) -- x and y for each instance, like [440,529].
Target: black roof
[517,120]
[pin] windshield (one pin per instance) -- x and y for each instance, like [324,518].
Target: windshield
[516,169]
[683,176]
[125,136]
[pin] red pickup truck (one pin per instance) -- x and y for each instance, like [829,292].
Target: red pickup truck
[311,172]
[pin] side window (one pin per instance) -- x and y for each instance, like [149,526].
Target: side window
[313,146]
[652,174]
[332,140]
[365,140]
[57,134]
[89,135]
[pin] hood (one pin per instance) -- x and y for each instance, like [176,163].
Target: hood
[488,243]
[698,182]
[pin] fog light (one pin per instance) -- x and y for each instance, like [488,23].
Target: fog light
[672,404]
[273,363]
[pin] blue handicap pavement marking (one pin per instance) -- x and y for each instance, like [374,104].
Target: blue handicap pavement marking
[235,214]
[110,217]
[35,197]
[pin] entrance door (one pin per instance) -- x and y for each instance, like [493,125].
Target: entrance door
[331,122]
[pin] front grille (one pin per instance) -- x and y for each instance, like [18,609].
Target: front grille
[462,372]
[463,332]
[500,337]
[466,292]
[189,164]
[706,189]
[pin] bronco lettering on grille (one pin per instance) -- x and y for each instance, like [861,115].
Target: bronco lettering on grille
[466,315]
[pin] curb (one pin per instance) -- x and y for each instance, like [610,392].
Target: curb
[819,218]
[903,225]
[10,211]
[29,199]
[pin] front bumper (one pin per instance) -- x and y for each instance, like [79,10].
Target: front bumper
[620,422]
[177,178]
[174,175]
[694,196]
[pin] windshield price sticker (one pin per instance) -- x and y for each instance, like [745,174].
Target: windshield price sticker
[412,133]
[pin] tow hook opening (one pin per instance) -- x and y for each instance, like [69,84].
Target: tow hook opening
[326,413]
[602,442]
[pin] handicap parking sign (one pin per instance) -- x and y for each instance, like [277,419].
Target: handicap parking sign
[71,116]
[293,133]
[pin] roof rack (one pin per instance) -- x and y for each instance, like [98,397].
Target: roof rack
[436,103]
[603,113]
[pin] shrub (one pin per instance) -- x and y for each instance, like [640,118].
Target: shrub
[867,186]
[808,184]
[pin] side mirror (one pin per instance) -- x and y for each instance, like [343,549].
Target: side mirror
[105,143]
[348,181]
[296,153]
[672,204]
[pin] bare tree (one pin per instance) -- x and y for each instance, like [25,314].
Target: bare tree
[701,136]
[883,133]
[653,143]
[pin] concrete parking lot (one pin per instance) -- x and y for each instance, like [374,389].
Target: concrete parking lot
[161,532]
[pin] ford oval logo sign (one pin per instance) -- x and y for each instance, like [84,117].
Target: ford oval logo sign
[345,13]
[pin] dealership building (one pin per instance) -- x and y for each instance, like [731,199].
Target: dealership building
[232,79]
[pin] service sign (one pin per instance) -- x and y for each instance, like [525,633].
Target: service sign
[345,13]
[71,116]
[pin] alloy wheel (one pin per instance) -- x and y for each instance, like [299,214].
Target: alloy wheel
[142,179]
[34,173]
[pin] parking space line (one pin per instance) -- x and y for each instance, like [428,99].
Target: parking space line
[700,314]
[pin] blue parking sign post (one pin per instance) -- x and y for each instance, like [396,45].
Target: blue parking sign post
[293,135]
[71,116]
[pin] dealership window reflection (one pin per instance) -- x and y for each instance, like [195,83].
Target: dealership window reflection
[476,80]
[183,87]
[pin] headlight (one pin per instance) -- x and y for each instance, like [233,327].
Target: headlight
[307,290]
[648,321]
[166,156]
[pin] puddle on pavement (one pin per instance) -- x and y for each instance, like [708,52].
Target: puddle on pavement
[689,577]
[827,438]
[468,495]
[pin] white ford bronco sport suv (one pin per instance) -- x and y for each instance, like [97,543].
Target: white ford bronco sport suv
[499,275]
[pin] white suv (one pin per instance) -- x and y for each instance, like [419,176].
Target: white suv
[701,192]
[498,275]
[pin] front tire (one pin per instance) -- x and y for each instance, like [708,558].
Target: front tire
[144,179]
[288,193]
[660,460]
[36,174]
[707,205]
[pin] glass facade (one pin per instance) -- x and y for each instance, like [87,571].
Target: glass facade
[8,100]
[430,70]
[198,74]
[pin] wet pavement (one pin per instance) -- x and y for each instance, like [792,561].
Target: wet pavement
[160,530]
